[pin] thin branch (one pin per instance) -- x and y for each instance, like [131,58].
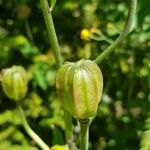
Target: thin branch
[29,131]
[125,32]
[51,31]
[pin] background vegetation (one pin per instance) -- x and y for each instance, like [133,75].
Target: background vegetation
[84,29]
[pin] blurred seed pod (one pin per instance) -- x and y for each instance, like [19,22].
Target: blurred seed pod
[14,82]
[23,11]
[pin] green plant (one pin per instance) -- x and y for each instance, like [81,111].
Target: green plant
[55,46]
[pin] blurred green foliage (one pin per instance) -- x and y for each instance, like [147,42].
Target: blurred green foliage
[123,120]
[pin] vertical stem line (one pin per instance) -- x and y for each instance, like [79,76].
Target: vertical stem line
[68,129]
[55,46]
[84,124]
[28,30]
[29,131]
[51,31]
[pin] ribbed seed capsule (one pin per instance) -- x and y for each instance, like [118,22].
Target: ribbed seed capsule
[79,86]
[14,82]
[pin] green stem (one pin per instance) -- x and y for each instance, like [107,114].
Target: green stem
[84,124]
[55,46]
[51,31]
[29,131]
[28,30]
[68,129]
[125,32]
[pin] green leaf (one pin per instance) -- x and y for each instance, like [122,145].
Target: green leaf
[57,136]
[101,38]
[60,147]
[53,2]
[5,133]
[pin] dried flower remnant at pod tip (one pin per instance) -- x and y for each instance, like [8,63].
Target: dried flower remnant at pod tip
[79,86]
[14,82]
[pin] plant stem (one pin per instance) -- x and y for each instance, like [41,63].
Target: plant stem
[55,46]
[68,129]
[51,31]
[84,124]
[29,131]
[28,30]
[125,32]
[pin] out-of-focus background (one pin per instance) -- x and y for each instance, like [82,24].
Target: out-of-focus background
[84,29]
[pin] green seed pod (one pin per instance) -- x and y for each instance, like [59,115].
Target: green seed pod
[14,82]
[79,86]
